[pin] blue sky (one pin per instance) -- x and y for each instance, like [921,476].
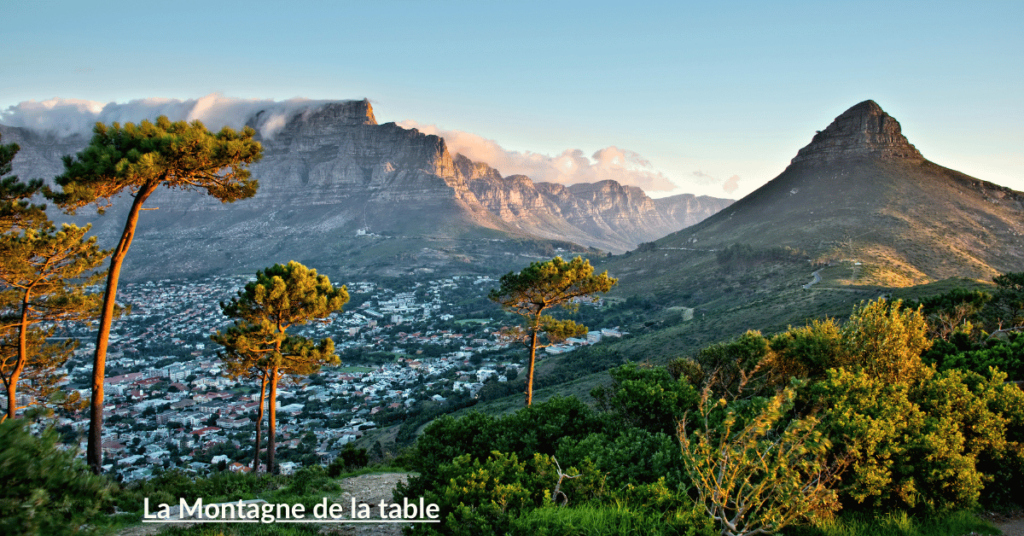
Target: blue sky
[703,93]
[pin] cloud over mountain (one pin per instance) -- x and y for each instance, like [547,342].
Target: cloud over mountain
[70,116]
[572,166]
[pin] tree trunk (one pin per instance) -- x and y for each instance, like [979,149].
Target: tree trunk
[19,364]
[259,423]
[94,452]
[271,439]
[533,358]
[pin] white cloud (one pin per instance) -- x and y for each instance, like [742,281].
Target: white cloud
[70,116]
[570,167]
[731,184]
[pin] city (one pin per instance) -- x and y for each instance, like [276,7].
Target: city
[170,404]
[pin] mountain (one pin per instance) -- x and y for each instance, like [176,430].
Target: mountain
[861,192]
[604,214]
[341,192]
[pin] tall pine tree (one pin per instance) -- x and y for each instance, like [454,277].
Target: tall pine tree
[258,344]
[138,159]
[43,273]
[540,287]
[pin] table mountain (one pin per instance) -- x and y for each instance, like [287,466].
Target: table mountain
[341,192]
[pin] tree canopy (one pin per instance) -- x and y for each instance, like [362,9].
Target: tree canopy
[43,276]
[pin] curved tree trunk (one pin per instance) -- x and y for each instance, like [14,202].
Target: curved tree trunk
[19,363]
[94,452]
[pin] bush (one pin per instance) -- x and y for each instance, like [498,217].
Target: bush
[927,445]
[534,429]
[635,456]
[45,489]
[348,460]
[646,397]
[482,497]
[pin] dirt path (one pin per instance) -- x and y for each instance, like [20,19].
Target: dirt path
[1011,528]
[1012,525]
[365,489]
[817,278]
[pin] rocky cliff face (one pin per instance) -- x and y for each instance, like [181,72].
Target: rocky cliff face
[606,214]
[863,131]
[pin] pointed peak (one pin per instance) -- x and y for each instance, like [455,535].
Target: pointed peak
[864,130]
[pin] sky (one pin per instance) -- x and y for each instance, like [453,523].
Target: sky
[711,98]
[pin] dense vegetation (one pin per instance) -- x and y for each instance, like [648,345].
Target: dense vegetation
[864,418]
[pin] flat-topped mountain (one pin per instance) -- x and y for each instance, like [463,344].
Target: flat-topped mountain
[338,190]
[860,191]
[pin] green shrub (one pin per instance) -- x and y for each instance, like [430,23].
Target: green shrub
[897,523]
[925,445]
[535,429]
[348,460]
[482,497]
[44,489]
[636,456]
[646,397]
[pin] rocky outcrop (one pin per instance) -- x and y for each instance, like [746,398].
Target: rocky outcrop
[863,131]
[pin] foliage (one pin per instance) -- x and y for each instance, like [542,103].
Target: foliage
[887,340]
[541,286]
[646,397]
[611,520]
[633,457]
[350,459]
[897,523]
[482,496]
[1005,353]
[534,429]
[43,277]
[953,312]
[46,490]
[930,445]
[1009,299]
[760,475]
[805,352]
[138,159]
[733,368]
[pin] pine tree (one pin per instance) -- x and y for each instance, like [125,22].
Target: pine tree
[43,274]
[138,159]
[259,346]
[541,286]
